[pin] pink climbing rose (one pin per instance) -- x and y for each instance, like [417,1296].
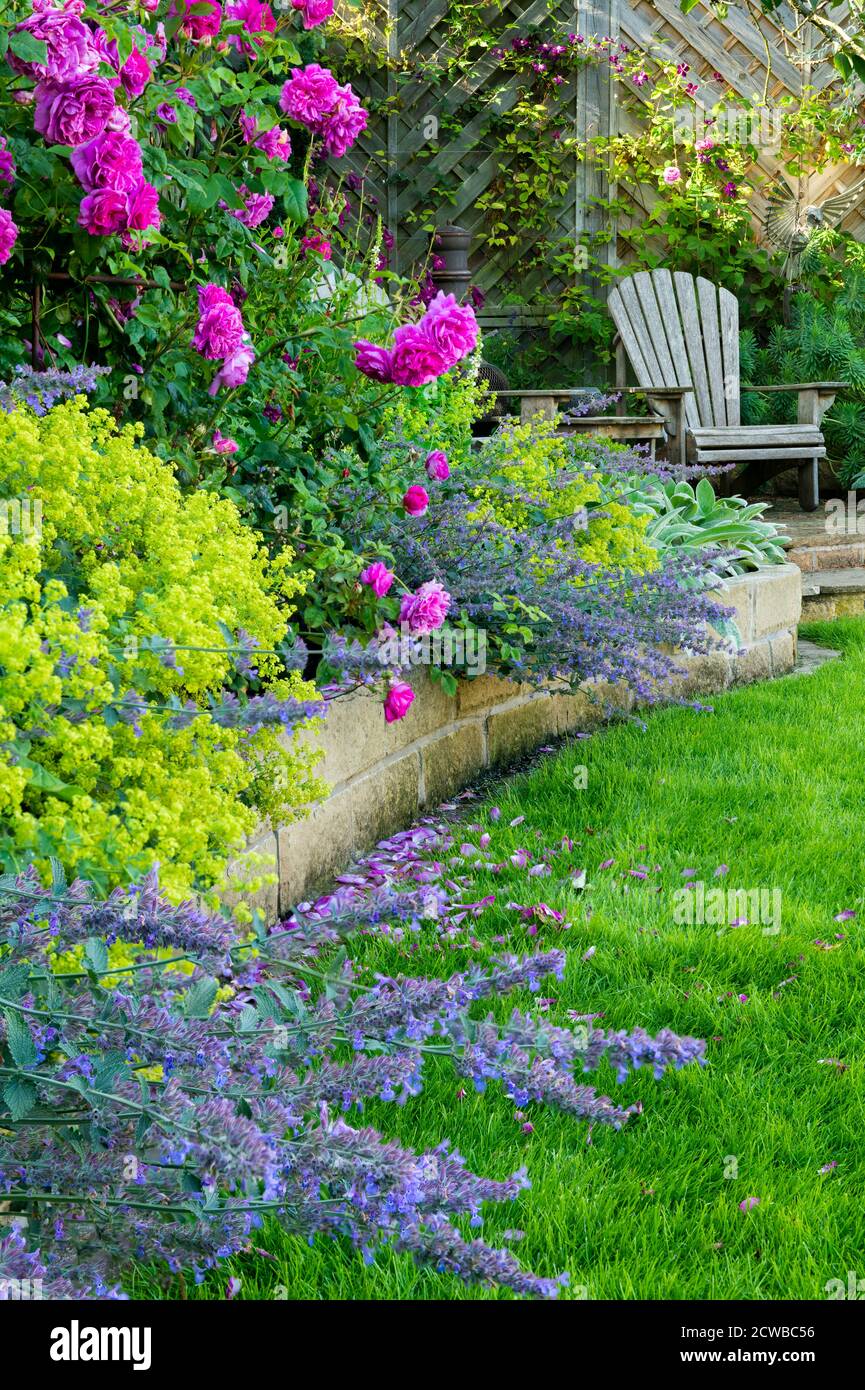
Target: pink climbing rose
[437,466]
[397,701]
[234,370]
[8,235]
[416,500]
[309,94]
[426,610]
[69,44]
[112,160]
[314,11]
[74,111]
[452,327]
[378,577]
[204,25]
[373,361]
[256,18]
[671,174]
[223,444]
[415,358]
[219,331]
[135,73]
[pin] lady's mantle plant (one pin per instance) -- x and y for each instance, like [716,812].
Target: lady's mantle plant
[154,1115]
[142,691]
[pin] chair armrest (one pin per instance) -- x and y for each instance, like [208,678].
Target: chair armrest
[824,387]
[815,397]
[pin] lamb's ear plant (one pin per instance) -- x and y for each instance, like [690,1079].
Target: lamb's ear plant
[688,518]
[160,1112]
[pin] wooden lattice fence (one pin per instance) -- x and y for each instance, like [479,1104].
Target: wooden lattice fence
[427,135]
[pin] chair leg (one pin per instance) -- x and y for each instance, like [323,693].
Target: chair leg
[809,487]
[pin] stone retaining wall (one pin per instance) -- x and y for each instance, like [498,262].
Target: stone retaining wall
[383,775]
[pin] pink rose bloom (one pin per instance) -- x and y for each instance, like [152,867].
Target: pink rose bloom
[70,113]
[378,577]
[397,701]
[112,160]
[8,235]
[309,94]
[437,465]
[222,444]
[343,123]
[257,206]
[144,208]
[372,360]
[318,244]
[672,174]
[135,73]
[198,26]
[68,41]
[453,328]
[104,212]
[234,370]
[7,162]
[415,358]
[119,120]
[706,144]
[219,331]
[314,11]
[427,609]
[416,500]
[257,19]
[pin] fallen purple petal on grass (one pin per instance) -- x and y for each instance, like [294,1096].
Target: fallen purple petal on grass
[827,1167]
[749,1203]
[845,915]
[587,955]
[607,864]
[721,870]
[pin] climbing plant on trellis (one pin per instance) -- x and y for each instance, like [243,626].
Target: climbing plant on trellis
[442,144]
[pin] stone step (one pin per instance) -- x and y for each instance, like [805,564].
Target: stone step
[835,581]
[810,657]
[828,594]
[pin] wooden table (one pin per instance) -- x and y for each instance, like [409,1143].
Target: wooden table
[645,429]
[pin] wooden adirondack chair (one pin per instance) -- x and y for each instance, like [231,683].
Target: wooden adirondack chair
[680,331]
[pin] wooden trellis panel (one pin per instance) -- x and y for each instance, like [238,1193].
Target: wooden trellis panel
[421,136]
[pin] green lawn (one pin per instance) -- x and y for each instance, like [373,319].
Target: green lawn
[773,785]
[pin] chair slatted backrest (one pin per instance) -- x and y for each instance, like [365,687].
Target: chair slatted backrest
[682,331]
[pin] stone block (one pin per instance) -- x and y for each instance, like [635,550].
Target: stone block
[753,663]
[777,599]
[849,605]
[513,732]
[452,761]
[311,851]
[483,692]
[783,647]
[706,673]
[738,594]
